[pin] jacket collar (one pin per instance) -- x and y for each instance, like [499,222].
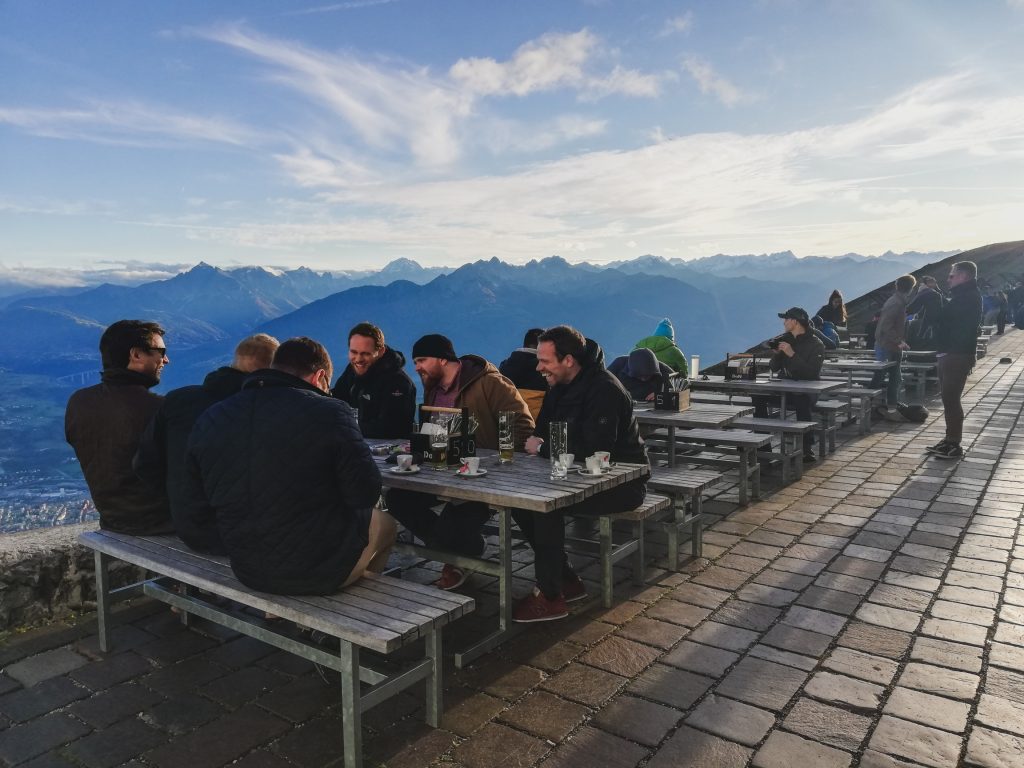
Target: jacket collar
[125,377]
[269,377]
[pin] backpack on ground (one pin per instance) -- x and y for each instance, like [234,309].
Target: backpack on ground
[914,413]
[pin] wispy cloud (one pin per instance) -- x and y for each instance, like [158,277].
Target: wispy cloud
[815,190]
[128,124]
[711,82]
[550,62]
[677,25]
[351,5]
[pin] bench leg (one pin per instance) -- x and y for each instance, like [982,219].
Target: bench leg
[435,683]
[697,527]
[672,531]
[798,456]
[103,599]
[638,562]
[607,573]
[744,478]
[351,706]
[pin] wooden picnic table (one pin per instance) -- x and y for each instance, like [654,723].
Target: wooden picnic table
[697,416]
[525,483]
[762,386]
[849,366]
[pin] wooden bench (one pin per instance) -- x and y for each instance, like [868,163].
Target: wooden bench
[861,401]
[830,412]
[791,441]
[742,445]
[377,613]
[703,396]
[682,484]
[610,552]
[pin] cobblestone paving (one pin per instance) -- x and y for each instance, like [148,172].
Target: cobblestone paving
[871,614]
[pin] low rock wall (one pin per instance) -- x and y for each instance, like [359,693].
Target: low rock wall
[46,575]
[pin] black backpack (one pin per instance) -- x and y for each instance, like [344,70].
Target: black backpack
[914,413]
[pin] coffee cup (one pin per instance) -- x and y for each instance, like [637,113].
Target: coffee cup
[605,458]
[472,464]
[404,462]
[566,459]
[593,465]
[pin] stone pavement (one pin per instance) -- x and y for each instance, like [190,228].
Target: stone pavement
[871,614]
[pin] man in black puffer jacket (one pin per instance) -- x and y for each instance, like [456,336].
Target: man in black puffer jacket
[375,384]
[281,474]
[599,416]
[956,342]
[160,460]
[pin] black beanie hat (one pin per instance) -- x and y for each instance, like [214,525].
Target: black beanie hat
[434,345]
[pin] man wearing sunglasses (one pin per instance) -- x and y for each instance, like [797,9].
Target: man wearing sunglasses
[105,422]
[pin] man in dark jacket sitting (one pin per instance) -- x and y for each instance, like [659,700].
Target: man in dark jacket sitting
[799,356]
[282,476]
[104,422]
[375,384]
[599,417]
[641,373]
[521,369]
[160,460]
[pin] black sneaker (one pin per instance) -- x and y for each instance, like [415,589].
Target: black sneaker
[939,446]
[949,451]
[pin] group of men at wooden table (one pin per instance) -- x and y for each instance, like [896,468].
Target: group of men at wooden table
[275,471]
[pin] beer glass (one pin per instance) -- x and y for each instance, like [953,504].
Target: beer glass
[506,436]
[439,451]
[558,443]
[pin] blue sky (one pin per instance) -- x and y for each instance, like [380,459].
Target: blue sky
[343,135]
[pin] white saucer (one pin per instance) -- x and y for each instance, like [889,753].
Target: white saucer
[478,473]
[411,471]
[592,474]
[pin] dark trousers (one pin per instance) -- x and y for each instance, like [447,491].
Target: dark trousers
[801,404]
[892,393]
[546,531]
[1001,322]
[953,371]
[457,529]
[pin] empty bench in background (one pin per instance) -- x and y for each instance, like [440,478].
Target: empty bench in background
[683,484]
[377,613]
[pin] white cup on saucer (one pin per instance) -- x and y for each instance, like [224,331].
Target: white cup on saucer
[566,459]
[472,464]
[593,465]
[404,462]
[606,459]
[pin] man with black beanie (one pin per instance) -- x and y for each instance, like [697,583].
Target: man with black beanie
[450,381]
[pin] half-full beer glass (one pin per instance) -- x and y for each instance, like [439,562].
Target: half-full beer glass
[558,443]
[506,436]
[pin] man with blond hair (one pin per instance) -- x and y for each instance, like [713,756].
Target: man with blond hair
[161,455]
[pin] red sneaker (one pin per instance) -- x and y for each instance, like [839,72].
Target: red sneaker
[573,588]
[536,607]
[451,578]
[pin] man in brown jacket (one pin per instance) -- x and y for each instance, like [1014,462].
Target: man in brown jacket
[469,382]
[891,341]
[105,422]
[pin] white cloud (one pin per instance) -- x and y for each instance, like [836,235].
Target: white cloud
[550,62]
[678,25]
[128,124]
[711,82]
[816,190]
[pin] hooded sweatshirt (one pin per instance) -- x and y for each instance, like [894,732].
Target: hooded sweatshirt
[662,343]
[384,397]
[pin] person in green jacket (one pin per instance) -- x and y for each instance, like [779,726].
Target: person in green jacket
[663,344]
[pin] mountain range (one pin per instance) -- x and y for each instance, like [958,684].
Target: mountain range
[717,305]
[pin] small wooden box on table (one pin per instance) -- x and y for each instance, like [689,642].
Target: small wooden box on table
[377,613]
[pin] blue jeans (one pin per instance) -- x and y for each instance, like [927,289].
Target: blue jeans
[892,393]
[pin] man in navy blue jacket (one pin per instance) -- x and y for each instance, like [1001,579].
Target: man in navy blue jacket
[282,476]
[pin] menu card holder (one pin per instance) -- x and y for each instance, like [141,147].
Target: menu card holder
[460,444]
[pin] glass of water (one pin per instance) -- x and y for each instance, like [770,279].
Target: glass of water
[558,443]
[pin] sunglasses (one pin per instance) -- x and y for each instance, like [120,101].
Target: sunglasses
[162,351]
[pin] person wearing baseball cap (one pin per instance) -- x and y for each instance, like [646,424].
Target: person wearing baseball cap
[798,355]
